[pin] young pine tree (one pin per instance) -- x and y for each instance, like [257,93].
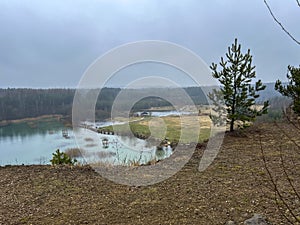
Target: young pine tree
[292,90]
[238,94]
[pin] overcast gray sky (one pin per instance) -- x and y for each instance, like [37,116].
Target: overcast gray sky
[51,43]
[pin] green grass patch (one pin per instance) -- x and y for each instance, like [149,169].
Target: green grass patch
[170,126]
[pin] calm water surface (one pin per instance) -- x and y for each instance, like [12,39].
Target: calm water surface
[34,142]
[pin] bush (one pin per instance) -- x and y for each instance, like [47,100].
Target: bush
[292,89]
[273,115]
[61,158]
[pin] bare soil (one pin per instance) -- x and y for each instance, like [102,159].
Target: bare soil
[234,187]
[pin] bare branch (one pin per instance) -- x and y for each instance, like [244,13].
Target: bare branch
[279,23]
[286,116]
[277,192]
[286,174]
[287,135]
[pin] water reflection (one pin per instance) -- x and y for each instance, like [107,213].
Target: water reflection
[34,143]
[26,129]
[119,150]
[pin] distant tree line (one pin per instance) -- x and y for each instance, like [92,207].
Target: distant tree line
[22,102]
[18,103]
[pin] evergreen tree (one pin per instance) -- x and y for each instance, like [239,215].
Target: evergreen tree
[238,93]
[292,90]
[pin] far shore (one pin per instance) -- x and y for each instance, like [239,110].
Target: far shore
[7,122]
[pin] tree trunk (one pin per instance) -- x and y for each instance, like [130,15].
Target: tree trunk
[231,125]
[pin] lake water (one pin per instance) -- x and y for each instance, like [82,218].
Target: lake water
[117,150]
[34,143]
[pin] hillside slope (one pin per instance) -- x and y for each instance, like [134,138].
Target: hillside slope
[234,187]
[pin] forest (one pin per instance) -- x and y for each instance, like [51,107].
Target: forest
[18,103]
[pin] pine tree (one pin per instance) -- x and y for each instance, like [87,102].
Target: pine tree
[292,90]
[238,93]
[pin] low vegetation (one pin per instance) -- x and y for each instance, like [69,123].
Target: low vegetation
[73,153]
[168,127]
[61,158]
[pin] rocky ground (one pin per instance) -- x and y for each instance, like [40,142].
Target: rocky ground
[234,187]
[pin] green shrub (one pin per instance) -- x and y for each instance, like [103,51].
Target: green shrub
[61,158]
[292,89]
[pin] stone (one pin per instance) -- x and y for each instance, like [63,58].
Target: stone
[257,219]
[230,222]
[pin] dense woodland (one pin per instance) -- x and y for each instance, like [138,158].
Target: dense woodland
[22,103]
[18,103]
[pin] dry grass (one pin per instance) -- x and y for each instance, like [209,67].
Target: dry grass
[74,153]
[170,127]
[233,187]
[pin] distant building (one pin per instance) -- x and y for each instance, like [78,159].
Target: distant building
[145,113]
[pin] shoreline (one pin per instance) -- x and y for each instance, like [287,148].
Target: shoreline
[29,119]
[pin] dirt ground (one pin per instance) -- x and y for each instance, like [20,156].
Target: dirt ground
[234,187]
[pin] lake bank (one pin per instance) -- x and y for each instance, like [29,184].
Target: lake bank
[31,119]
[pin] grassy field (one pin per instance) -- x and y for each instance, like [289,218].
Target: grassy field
[169,127]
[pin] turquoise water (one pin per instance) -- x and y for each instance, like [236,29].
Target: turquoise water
[34,142]
[119,150]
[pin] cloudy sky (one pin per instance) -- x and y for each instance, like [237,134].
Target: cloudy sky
[52,43]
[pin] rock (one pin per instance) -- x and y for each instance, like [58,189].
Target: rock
[230,222]
[257,219]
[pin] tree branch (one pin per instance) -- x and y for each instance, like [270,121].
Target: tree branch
[279,23]
[286,173]
[277,192]
[287,135]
